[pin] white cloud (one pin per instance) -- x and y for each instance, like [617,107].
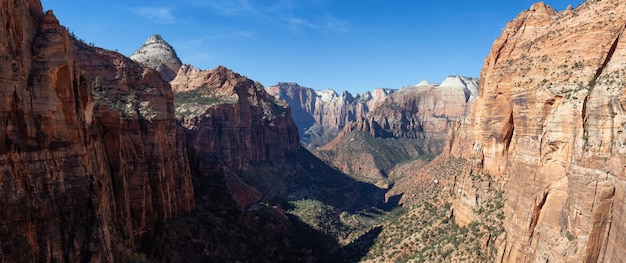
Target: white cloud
[317,18]
[331,23]
[159,15]
[228,35]
[229,7]
[326,24]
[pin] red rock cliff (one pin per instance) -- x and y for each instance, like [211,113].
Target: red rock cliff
[550,122]
[232,123]
[89,156]
[321,115]
[424,111]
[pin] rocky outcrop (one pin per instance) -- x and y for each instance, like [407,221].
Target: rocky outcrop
[238,124]
[409,124]
[550,123]
[88,145]
[321,114]
[423,111]
[410,112]
[159,55]
[369,157]
[302,102]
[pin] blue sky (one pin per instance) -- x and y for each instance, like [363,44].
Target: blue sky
[344,45]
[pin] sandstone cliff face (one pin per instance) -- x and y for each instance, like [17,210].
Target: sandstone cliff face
[159,55]
[302,102]
[409,124]
[321,114]
[414,118]
[232,122]
[550,123]
[423,111]
[88,151]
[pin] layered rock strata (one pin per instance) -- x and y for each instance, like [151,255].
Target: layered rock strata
[321,114]
[89,156]
[423,111]
[550,122]
[409,124]
[232,122]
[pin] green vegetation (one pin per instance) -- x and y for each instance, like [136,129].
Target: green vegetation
[127,105]
[592,83]
[195,102]
[196,96]
[343,226]
[429,233]
[319,216]
[386,153]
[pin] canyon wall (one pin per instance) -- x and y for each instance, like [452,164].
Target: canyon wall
[416,111]
[550,124]
[232,123]
[424,111]
[409,124]
[89,156]
[245,124]
[321,114]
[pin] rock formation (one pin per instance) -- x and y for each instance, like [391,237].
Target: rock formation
[321,114]
[423,111]
[94,163]
[550,122]
[90,156]
[159,55]
[244,125]
[410,123]
[232,122]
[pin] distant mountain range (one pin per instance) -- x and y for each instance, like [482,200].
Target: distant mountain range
[321,114]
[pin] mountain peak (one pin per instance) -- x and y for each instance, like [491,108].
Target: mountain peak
[424,83]
[159,55]
[467,84]
[155,39]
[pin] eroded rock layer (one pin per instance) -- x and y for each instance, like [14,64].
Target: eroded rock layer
[89,158]
[423,111]
[232,122]
[550,121]
[409,124]
[321,114]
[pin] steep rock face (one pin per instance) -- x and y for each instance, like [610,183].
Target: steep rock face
[157,54]
[424,111]
[301,100]
[410,123]
[550,122]
[369,157]
[321,114]
[238,124]
[85,169]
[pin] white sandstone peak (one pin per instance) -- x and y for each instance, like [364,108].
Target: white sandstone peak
[157,54]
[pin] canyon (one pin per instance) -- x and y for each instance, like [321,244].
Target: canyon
[409,112]
[104,160]
[366,135]
[107,158]
[322,114]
